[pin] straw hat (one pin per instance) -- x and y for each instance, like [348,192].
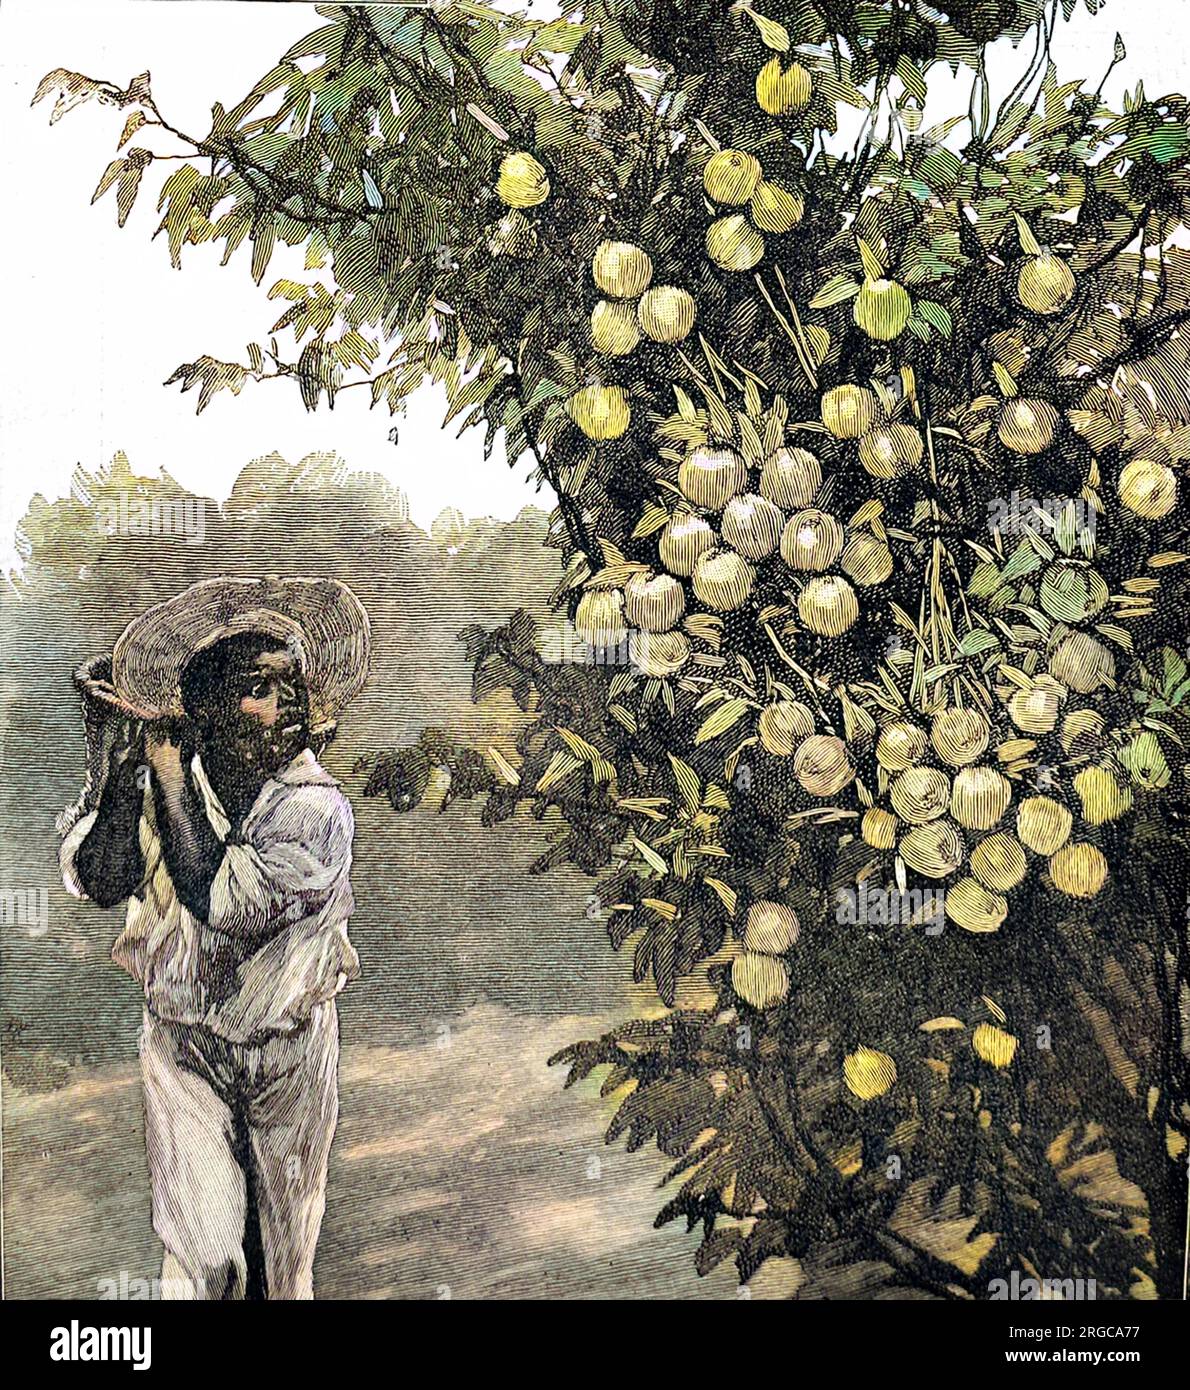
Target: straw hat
[320,620]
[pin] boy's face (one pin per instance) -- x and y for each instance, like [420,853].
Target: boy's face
[266,686]
[256,713]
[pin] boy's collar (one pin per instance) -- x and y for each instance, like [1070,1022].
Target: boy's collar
[303,770]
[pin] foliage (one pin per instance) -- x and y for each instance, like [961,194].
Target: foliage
[1001,290]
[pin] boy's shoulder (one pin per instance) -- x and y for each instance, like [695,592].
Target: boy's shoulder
[306,771]
[304,786]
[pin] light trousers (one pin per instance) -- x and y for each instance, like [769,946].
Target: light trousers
[237,1137]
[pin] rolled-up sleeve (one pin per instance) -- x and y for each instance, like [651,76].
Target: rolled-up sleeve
[289,864]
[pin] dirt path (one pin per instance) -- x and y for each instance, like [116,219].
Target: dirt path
[461,1169]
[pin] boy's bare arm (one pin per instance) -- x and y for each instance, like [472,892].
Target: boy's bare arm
[189,844]
[109,863]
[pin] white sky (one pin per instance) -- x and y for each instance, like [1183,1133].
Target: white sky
[95,319]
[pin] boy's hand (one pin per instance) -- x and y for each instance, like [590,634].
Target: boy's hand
[165,746]
[128,746]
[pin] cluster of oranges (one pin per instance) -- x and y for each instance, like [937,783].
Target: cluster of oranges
[950,802]
[735,521]
[886,448]
[632,307]
[735,241]
[946,806]
[760,973]
[735,179]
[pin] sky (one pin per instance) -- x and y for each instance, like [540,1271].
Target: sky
[95,319]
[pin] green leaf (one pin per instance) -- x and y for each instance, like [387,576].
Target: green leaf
[110,175]
[354,350]
[937,315]
[475,392]
[131,126]
[873,266]
[688,782]
[263,238]
[650,856]
[126,192]
[911,78]
[727,896]
[210,375]
[1029,243]
[729,713]
[314,374]
[327,41]
[652,519]
[940,169]
[686,407]
[233,227]
[558,36]
[772,34]
[819,342]
[836,290]
[1004,380]
[601,769]
[984,581]
[372,193]
[978,641]
[180,184]
[561,765]
[1024,560]
[1173,670]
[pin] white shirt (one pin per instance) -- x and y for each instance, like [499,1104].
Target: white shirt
[275,944]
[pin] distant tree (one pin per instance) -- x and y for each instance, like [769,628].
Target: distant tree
[873,453]
[126,537]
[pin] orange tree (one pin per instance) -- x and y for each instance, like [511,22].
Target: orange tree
[868,443]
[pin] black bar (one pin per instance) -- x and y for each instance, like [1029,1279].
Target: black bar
[888,1336]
